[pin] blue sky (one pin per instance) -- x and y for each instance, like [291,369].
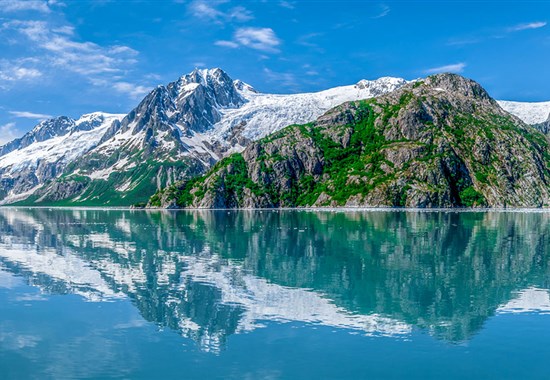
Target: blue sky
[68,57]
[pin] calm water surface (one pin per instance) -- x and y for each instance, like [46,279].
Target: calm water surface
[274,295]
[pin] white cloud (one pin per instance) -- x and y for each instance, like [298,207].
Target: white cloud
[257,38]
[209,10]
[30,115]
[454,68]
[229,44]
[263,39]
[56,48]
[18,70]
[8,132]
[527,26]
[309,41]
[384,11]
[287,4]
[131,89]
[24,5]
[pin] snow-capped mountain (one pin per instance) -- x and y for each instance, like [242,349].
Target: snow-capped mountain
[263,114]
[181,130]
[43,153]
[176,132]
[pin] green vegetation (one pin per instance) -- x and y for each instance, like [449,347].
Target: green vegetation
[471,198]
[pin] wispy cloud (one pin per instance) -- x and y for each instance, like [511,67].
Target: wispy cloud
[495,34]
[287,4]
[8,132]
[453,68]
[55,48]
[18,70]
[210,10]
[131,89]
[527,26]
[384,11]
[263,39]
[228,44]
[306,39]
[287,80]
[30,115]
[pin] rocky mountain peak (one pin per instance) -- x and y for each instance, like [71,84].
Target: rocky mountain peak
[45,130]
[381,86]
[244,87]
[457,85]
[57,126]
[216,83]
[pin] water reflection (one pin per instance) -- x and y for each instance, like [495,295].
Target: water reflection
[209,274]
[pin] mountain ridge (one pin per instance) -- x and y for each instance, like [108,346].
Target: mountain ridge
[176,132]
[439,142]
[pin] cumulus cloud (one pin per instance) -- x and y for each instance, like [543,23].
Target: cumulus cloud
[263,39]
[257,38]
[453,68]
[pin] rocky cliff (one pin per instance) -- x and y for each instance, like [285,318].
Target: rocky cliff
[440,142]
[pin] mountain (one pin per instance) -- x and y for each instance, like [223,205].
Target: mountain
[43,153]
[439,142]
[530,113]
[177,132]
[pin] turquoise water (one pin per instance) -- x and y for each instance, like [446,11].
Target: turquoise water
[274,295]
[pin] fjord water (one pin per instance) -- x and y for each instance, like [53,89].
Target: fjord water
[274,294]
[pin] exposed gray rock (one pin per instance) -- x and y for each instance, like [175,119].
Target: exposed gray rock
[441,142]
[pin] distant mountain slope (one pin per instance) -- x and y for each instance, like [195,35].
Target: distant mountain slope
[440,142]
[43,153]
[530,113]
[180,130]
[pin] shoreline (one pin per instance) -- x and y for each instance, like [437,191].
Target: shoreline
[306,209]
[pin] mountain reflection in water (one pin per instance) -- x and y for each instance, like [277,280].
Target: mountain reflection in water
[211,274]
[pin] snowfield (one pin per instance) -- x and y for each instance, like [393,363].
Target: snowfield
[62,149]
[530,113]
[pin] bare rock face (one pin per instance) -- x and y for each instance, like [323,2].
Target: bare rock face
[441,142]
[544,127]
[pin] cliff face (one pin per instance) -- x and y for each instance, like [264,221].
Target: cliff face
[441,142]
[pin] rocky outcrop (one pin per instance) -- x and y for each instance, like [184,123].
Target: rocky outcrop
[441,142]
[544,127]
